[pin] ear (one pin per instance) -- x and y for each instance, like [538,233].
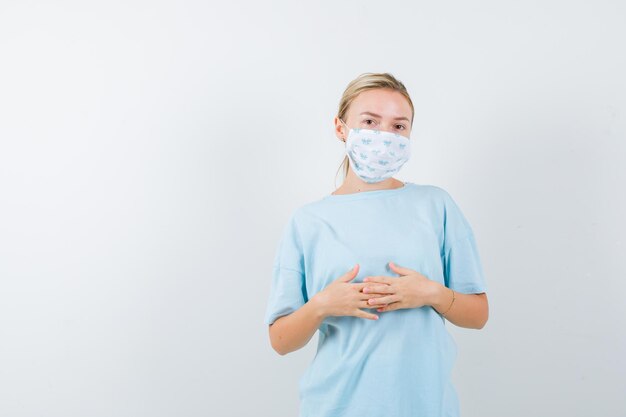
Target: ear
[340,130]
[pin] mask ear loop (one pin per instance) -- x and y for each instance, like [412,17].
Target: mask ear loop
[344,123]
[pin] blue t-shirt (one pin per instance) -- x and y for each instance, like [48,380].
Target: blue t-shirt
[399,365]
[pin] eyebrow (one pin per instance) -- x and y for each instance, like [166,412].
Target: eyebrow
[377,115]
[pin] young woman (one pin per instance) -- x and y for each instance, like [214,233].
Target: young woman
[376,266]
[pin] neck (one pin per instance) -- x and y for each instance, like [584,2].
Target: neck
[354,184]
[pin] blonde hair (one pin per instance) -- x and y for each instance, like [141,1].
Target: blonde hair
[368,81]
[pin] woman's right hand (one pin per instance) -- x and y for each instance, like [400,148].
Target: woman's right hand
[343,298]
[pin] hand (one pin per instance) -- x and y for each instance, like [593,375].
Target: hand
[410,290]
[344,298]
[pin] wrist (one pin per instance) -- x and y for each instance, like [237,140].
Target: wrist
[442,296]
[318,307]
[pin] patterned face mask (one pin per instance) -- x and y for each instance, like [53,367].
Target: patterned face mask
[376,155]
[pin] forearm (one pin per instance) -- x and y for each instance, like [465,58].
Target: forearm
[293,331]
[468,310]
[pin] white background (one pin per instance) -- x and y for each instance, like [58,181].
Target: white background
[151,153]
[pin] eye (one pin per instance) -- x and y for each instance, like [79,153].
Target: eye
[401,126]
[368,120]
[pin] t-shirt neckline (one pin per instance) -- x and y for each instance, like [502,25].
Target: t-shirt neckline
[369,194]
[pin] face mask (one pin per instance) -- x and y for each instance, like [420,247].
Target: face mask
[376,155]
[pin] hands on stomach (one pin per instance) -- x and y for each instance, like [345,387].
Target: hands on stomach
[345,298]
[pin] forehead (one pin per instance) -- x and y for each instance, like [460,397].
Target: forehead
[385,102]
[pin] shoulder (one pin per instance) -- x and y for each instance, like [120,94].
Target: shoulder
[443,196]
[312,208]
[305,214]
[446,208]
[302,213]
[436,191]
[435,194]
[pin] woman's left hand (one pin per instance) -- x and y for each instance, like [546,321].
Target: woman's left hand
[410,290]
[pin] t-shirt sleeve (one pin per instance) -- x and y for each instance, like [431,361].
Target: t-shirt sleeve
[463,271]
[288,290]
